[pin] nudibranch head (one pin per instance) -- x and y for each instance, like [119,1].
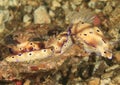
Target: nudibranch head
[30,56]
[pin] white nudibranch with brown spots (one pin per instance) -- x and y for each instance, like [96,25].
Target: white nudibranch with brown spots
[54,47]
[91,37]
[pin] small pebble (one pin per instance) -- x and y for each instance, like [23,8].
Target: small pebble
[2,27]
[76,2]
[117,56]
[26,18]
[55,4]
[116,80]
[105,81]
[92,4]
[94,81]
[112,68]
[4,3]
[1,17]
[107,75]
[27,82]
[13,3]
[51,13]
[28,9]
[41,16]
[107,9]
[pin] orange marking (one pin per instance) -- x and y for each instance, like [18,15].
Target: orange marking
[92,43]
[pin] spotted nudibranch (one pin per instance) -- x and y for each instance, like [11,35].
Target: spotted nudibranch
[54,47]
[92,38]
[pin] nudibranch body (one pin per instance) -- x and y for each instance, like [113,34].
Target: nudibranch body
[92,38]
[30,56]
[30,51]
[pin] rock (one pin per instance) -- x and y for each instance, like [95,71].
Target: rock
[105,81]
[100,5]
[4,3]
[1,17]
[32,2]
[55,4]
[2,27]
[73,6]
[76,2]
[116,80]
[13,3]
[51,13]
[7,3]
[107,9]
[114,24]
[92,3]
[98,10]
[100,67]
[95,81]
[65,7]
[4,16]
[27,82]
[28,9]
[112,67]
[0,75]
[117,56]
[26,18]
[107,75]
[41,16]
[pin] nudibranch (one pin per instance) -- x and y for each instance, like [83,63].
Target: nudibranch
[92,38]
[30,51]
[61,43]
